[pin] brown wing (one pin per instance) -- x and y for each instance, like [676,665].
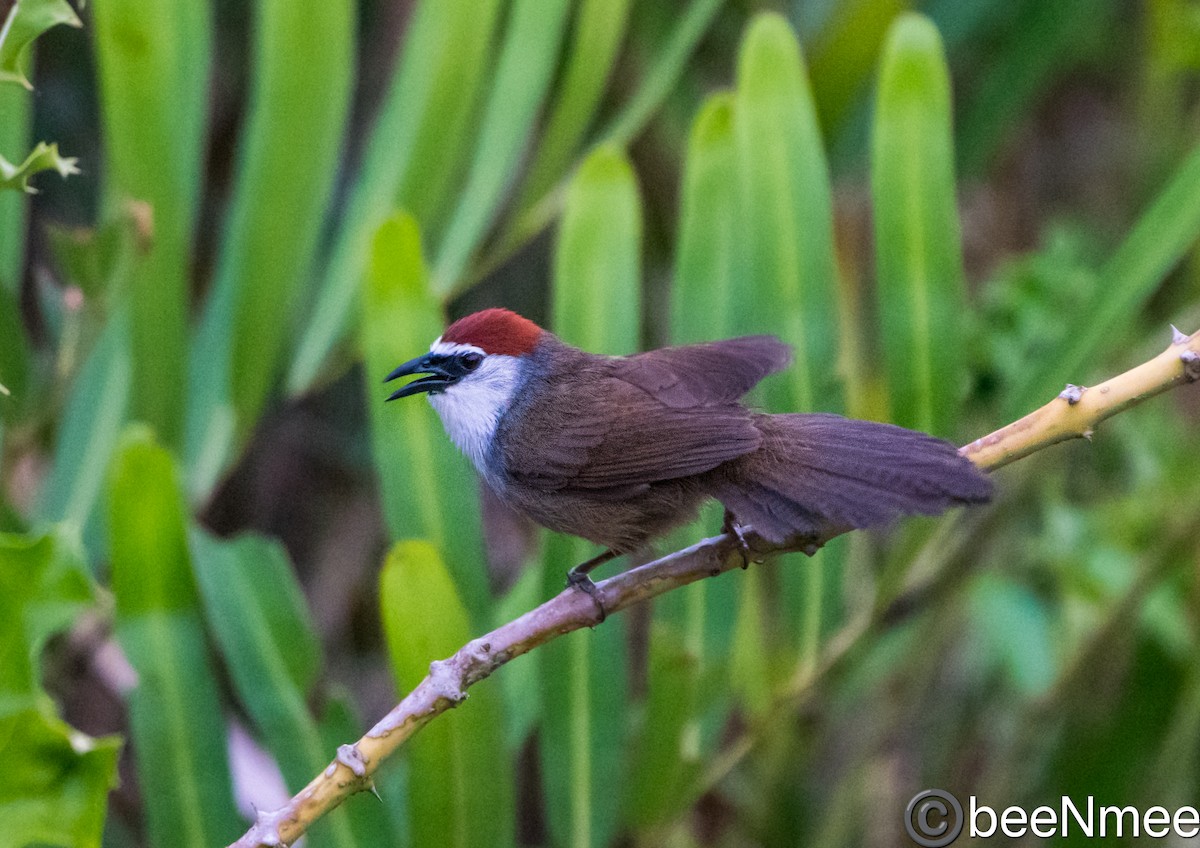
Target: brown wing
[704,374]
[599,431]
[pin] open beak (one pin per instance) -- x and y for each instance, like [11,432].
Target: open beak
[435,366]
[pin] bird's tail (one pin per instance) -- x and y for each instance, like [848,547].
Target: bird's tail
[816,472]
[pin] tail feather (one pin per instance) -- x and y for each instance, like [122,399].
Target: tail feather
[816,472]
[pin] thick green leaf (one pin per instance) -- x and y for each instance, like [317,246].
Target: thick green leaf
[303,72]
[460,791]
[705,289]
[918,249]
[429,488]
[25,21]
[597,261]
[462,49]
[153,64]
[694,626]
[1162,236]
[416,148]
[55,780]
[96,410]
[597,32]
[174,712]
[44,157]
[522,78]
[584,740]
[257,612]
[787,258]
[597,306]
[787,222]
[667,754]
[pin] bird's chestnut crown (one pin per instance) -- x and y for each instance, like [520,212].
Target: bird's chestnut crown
[463,347]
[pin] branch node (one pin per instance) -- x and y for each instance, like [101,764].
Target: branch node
[446,682]
[1191,365]
[266,827]
[1072,393]
[1177,338]
[353,759]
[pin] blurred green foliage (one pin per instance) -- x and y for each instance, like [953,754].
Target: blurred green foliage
[290,199]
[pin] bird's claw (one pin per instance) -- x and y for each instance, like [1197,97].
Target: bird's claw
[731,527]
[579,580]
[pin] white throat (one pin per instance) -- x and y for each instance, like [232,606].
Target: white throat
[471,409]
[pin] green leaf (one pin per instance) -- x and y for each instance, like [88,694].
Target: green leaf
[917,241]
[303,66]
[462,48]
[44,157]
[705,290]
[788,286]
[663,76]
[522,78]
[90,430]
[459,794]
[597,261]
[415,150]
[55,780]
[584,741]
[1162,236]
[153,66]
[257,612]
[26,20]
[596,36]
[660,80]
[597,306]
[694,632]
[15,127]
[667,753]
[429,488]
[787,219]
[175,713]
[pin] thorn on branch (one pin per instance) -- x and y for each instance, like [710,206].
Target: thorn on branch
[1072,393]
[1177,337]
[266,827]
[1191,365]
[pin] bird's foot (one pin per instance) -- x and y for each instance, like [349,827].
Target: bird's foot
[731,527]
[579,580]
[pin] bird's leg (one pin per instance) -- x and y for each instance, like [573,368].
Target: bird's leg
[731,527]
[578,577]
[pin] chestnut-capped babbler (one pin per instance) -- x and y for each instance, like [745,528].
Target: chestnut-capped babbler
[621,449]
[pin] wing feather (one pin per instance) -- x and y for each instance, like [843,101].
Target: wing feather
[599,431]
[703,374]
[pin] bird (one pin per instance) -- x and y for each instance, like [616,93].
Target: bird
[619,450]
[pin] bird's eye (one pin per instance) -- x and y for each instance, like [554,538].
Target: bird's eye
[471,360]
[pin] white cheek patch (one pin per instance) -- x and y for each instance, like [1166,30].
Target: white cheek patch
[471,409]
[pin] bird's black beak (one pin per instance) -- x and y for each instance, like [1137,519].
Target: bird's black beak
[439,368]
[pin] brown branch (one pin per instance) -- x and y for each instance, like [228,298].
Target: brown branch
[1075,413]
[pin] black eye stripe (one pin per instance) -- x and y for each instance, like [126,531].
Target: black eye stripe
[470,360]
